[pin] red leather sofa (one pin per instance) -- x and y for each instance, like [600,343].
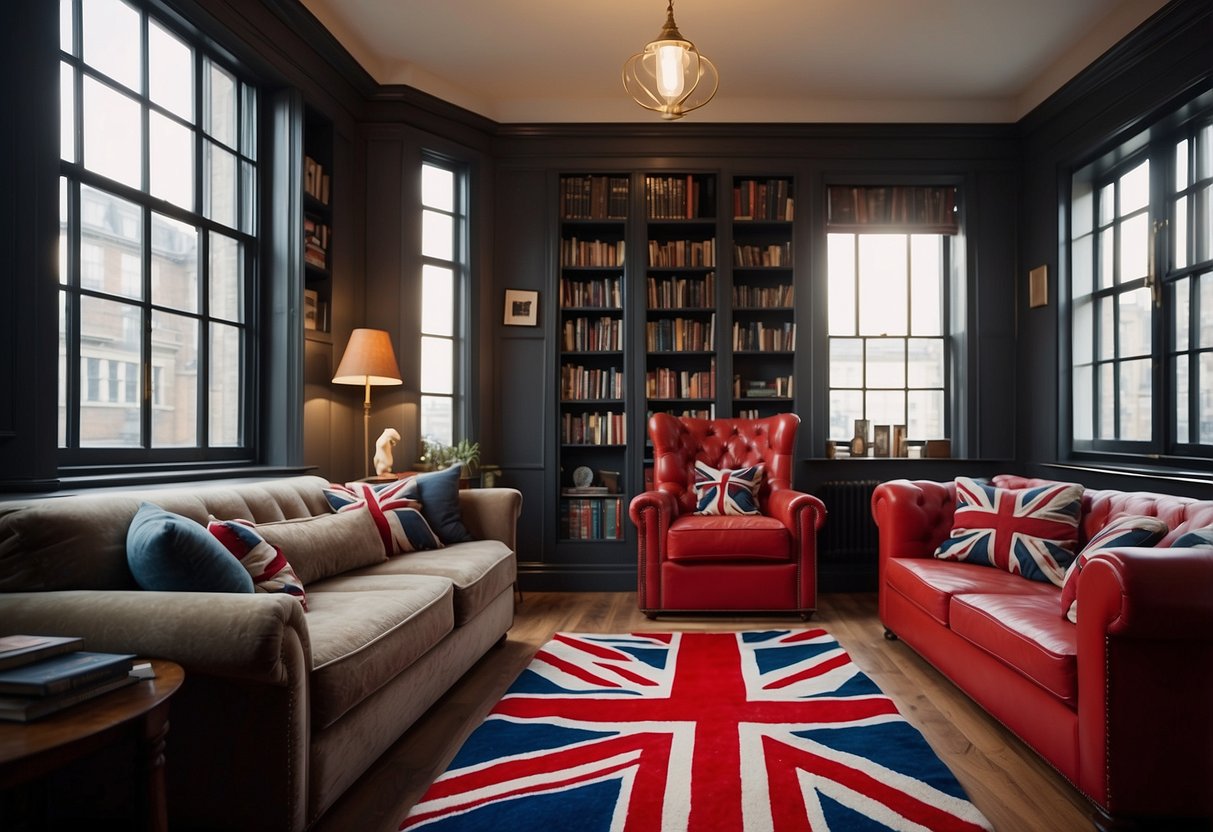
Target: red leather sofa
[694,563]
[1121,703]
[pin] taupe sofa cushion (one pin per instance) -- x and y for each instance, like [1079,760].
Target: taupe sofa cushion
[319,547]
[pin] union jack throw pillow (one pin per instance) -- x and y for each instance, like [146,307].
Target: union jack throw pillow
[1029,531]
[265,563]
[401,525]
[1130,530]
[727,491]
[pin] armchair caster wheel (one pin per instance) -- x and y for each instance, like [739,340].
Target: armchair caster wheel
[890,635]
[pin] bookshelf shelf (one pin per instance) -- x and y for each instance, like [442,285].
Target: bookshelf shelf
[317,220]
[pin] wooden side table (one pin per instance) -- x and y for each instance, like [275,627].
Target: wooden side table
[31,751]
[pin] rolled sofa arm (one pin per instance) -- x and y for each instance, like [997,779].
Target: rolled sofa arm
[235,636]
[914,516]
[1147,593]
[788,506]
[651,512]
[492,513]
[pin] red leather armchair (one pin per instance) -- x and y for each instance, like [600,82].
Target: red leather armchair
[691,563]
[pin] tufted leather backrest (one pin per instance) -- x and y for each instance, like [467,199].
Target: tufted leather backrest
[678,441]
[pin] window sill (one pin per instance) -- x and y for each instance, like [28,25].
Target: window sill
[1137,471]
[81,481]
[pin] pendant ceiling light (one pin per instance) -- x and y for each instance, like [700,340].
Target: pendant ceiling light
[670,76]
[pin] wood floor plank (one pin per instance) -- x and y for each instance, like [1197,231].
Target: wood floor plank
[1008,782]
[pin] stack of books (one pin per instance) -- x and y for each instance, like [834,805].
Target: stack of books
[40,675]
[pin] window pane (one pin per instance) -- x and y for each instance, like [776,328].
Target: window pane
[170,72]
[113,140]
[882,274]
[1204,153]
[841,288]
[226,279]
[248,198]
[886,407]
[1107,258]
[62,432]
[1203,233]
[925,362]
[220,104]
[846,363]
[67,113]
[111,243]
[926,287]
[112,41]
[66,25]
[1136,323]
[1134,248]
[437,300]
[1182,405]
[1084,401]
[1181,233]
[110,345]
[171,161]
[886,362]
[1206,304]
[175,386]
[226,385]
[1107,328]
[437,368]
[1181,311]
[1181,166]
[1083,321]
[925,418]
[438,419]
[845,407]
[220,184]
[1206,398]
[174,263]
[1107,204]
[437,235]
[64,275]
[437,188]
[1136,385]
[1135,189]
[1081,276]
[248,123]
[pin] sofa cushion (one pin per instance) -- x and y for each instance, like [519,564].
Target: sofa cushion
[1132,530]
[170,553]
[728,537]
[366,630]
[1024,631]
[1030,531]
[930,584]
[329,544]
[402,525]
[1195,539]
[479,569]
[726,491]
[438,492]
[264,562]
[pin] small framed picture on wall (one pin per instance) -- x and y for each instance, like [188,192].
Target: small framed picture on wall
[521,307]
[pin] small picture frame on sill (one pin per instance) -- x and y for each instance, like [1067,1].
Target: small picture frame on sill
[880,440]
[521,307]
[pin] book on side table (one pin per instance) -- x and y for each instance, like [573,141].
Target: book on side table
[18,650]
[50,684]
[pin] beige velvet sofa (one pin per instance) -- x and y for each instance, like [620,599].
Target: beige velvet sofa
[281,710]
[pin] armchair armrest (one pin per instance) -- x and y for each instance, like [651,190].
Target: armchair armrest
[789,507]
[492,514]
[254,637]
[651,512]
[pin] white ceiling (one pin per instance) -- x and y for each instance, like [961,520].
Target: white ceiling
[534,61]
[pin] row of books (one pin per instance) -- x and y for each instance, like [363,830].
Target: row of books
[593,429]
[758,200]
[585,335]
[682,292]
[763,337]
[592,519]
[315,180]
[579,383]
[773,255]
[668,383]
[601,293]
[680,334]
[594,197]
[40,675]
[679,197]
[778,387]
[892,205]
[315,242]
[708,412]
[763,297]
[675,254]
[596,253]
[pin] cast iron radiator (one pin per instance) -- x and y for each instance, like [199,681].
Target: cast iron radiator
[847,546]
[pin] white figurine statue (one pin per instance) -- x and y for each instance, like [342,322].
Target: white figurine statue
[383,450]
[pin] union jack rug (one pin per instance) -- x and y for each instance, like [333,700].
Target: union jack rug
[764,730]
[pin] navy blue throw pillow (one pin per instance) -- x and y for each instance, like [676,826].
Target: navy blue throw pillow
[171,553]
[438,493]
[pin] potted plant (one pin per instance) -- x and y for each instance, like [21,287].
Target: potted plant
[438,455]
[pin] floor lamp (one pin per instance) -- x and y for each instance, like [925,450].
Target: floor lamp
[368,360]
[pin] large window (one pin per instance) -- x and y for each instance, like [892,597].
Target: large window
[443,276]
[158,199]
[1142,298]
[887,332]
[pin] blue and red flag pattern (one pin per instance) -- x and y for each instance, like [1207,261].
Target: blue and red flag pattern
[726,491]
[1030,532]
[402,527]
[767,730]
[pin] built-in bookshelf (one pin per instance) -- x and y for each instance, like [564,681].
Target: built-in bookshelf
[317,223]
[593,390]
[763,302]
[925,208]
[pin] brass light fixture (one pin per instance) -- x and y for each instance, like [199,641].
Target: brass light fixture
[670,76]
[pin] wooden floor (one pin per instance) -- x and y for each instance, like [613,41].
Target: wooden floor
[1006,781]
